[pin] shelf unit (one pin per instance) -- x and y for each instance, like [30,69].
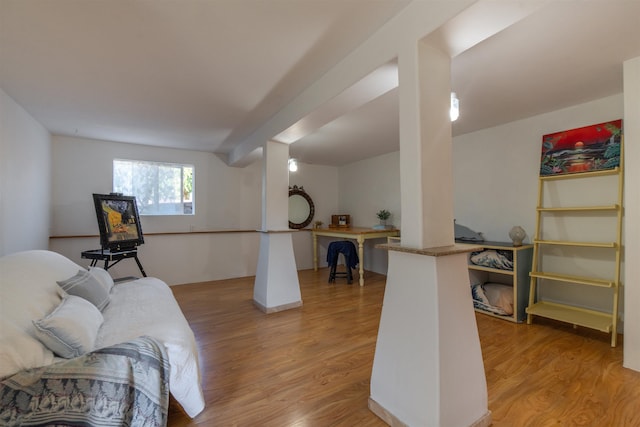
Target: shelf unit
[517,278]
[577,315]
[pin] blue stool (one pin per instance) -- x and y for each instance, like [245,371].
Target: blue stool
[348,250]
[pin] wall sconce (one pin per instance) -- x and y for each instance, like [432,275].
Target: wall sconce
[293,165]
[454,111]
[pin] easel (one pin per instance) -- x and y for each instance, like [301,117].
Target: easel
[115,257]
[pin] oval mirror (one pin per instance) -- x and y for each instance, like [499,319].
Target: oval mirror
[301,208]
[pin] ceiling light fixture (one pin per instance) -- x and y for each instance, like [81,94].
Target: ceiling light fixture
[293,165]
[454,111]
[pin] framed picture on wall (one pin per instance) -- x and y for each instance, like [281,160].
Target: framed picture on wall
[585,149]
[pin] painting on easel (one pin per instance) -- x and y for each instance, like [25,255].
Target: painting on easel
[118,221]
[585,149]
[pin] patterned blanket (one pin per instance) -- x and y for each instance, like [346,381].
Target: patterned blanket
[123,385]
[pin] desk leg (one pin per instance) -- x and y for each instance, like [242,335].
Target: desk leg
[361,257]
[315,252]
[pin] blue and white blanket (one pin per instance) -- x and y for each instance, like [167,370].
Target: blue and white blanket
[122,385]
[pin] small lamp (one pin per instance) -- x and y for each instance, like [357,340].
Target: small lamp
[517,234]
[293,165]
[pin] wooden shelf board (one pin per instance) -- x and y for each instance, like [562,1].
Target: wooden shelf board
[605,172]
[574,279]
[580,208]
[585,244]
[511,318]
[574,315]
[490,270]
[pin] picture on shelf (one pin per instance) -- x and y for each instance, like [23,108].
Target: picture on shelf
[585,149]
[118,221]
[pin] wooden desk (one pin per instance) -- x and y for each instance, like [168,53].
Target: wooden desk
[359,234]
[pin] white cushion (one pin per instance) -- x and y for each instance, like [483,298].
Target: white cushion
[19,351]
[103,277]
[71,329]
[28,291]
[85,285]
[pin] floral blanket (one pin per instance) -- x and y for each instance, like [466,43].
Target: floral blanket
[122,385]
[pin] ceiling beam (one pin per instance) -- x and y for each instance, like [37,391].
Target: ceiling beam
[416,20]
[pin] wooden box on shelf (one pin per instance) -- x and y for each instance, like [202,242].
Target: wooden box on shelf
[340,221]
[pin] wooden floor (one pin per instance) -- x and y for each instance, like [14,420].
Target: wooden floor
[310,366]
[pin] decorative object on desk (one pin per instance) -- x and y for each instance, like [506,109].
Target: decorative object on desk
[301,208]
[118,221]
[585,149]
[318,224]
[340,221]
[517,234]
[383,215]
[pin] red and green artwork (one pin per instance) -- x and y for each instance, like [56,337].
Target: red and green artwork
[585,149]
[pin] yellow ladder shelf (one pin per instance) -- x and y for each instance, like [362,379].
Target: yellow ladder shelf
[539,277]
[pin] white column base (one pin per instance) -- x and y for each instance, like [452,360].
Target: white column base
[428,368]
[276,287]
[390,419]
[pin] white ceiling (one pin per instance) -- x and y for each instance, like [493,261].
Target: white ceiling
[204,75]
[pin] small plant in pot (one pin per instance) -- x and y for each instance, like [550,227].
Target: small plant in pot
[383,215]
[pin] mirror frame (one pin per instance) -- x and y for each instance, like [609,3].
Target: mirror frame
[299,191]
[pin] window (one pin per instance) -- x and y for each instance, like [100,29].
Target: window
[159,188]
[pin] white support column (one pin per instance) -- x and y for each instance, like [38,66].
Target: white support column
[276,287]
[428,368]
[631,281]
[426,175]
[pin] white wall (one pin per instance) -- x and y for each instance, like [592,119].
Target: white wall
[496,170]
[321,184]
[368,186]
[632,210]
[365,187]
[495,184]
[25,174]
[227,198]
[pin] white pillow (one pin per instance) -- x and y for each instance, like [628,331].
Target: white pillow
[20,350]
[28,291]
[85,285]
[103,277]
[493,259]
[71,329]
[500,296]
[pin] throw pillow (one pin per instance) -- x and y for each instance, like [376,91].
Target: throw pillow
[84,285]
[493,259]
[70,330]
[103,277]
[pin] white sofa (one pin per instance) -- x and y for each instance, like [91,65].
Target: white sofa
[29,291]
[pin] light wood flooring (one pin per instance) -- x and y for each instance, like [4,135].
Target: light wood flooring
[310,366]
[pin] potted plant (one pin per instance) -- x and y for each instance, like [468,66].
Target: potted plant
[383,215]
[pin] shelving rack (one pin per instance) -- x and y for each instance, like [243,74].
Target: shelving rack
[516,278]
[575,314]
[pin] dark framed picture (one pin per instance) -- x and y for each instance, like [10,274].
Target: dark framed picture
[118,221]
[586,149]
